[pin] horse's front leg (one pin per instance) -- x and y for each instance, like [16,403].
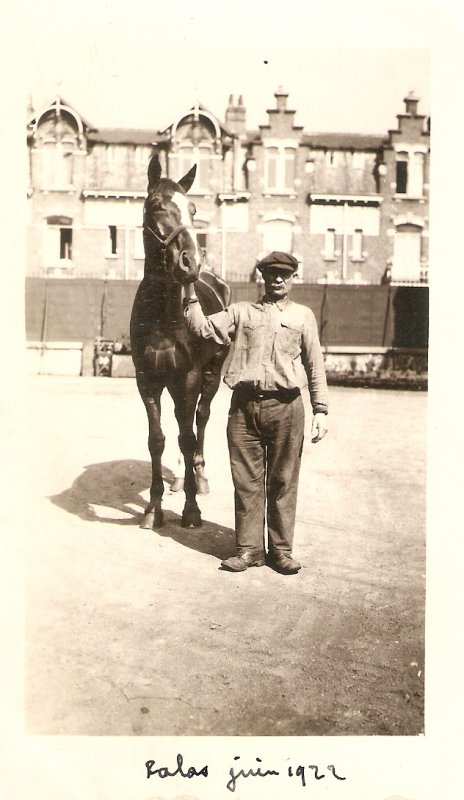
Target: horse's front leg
[184,407]
[153,517]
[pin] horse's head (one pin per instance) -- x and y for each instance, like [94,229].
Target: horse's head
[170,241]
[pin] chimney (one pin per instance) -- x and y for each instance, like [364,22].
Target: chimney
[236,115]
[411,102]
[281,95]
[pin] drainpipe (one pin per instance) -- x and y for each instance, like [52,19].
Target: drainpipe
[223,244]
[345,245]
[126,241]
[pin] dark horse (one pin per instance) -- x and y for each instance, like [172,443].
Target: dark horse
[165,354]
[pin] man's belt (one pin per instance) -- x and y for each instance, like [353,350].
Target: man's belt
[250,393]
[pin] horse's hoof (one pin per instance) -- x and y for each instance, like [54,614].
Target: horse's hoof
[177,485]
[202,485]
[191,520]
[152,520]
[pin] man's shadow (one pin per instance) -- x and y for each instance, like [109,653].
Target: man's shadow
[117,486]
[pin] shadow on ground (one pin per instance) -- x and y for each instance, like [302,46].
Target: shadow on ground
[118,486]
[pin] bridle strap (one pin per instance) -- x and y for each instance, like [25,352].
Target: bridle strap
[166,241]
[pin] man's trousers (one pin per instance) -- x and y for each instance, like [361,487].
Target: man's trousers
[265,438]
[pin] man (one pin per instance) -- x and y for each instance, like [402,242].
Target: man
[276,353]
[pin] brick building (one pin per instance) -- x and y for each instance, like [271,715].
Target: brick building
[353,208]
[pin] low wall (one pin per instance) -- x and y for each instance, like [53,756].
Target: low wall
[55,358]
[362,329]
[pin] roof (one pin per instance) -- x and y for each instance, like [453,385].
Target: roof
[200,107]
[344,141]
[58,100]
[125,136]
[331,141]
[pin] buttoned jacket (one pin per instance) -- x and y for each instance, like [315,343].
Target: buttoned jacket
[275,345]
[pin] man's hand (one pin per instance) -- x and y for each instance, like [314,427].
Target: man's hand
[189,290]
[319,427]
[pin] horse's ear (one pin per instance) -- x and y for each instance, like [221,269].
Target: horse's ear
[188,179]
[154,172]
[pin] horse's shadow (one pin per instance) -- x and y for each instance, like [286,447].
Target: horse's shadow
[117,486]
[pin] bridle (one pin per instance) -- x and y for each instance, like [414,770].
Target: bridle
[165,241]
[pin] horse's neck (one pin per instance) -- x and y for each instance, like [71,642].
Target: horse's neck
[166,301]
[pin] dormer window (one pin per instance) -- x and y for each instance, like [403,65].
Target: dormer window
[187,156]
[57,161]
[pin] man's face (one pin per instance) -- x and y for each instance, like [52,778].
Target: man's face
[277,282]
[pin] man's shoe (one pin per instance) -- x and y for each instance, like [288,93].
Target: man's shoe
[284,563]
[241,562]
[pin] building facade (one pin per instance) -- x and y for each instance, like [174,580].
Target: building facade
[352,208]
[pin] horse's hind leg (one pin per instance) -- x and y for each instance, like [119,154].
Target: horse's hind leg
[178,482]
[202,417]
[210,385]
[153,517]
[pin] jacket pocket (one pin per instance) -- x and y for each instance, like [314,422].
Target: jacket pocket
[288,340]
[253,333]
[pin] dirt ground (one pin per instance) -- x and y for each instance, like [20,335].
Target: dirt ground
[132,632]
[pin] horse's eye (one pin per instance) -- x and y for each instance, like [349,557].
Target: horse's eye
[192,209]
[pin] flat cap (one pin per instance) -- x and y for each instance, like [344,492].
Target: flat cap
[283,261]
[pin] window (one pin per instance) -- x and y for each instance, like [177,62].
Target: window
[186,158]
[201,237]
[407,254]
[113,240]
[115,153]
[65,167]
[278,235]
[416,179]
[331,159]
[402,173]
[357,242]
[57,242]
[204,166]
[410,173]
[272,157]
[142,156]
[185,161]
[329,244]
[358,160]
[66,243]
[57,159]
[139,251]
[280,169]
[289,168]
[235,217]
